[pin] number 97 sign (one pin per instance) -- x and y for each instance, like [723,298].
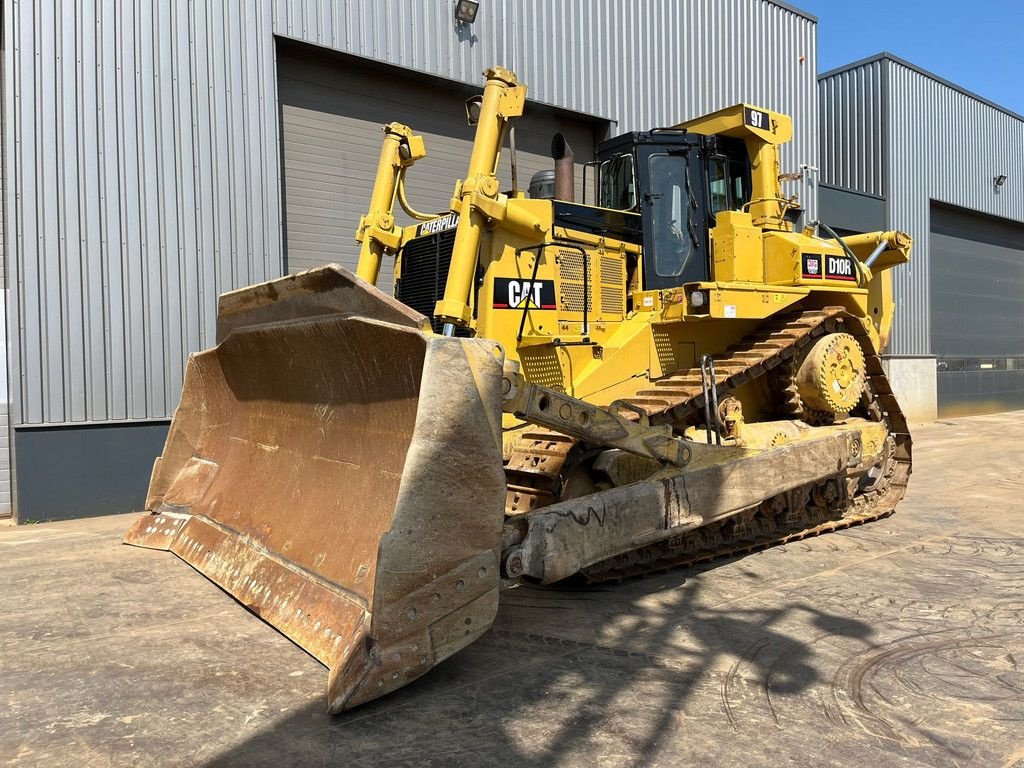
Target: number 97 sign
[757,118]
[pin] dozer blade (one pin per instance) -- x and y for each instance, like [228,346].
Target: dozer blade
[338,471]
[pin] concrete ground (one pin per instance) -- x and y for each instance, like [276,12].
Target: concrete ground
[897,643]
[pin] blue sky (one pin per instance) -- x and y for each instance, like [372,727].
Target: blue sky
[978,45]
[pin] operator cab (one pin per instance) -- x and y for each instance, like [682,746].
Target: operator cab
[677,181]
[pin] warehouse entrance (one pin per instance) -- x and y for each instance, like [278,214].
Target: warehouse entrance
[977,311]
[332,108]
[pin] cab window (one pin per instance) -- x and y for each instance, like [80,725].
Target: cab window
[719,183]
[727,180]
[618,183]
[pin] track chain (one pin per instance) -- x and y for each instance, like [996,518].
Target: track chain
[534,469]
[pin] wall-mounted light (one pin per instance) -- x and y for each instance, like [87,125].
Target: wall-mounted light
[1000,180]
[465,11]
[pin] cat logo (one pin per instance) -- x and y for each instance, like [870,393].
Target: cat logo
[510,293]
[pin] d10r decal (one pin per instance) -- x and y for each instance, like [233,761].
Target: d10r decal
[839,268]
[511,293]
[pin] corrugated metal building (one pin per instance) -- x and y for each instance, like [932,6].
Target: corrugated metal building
[158,154]
[902,148]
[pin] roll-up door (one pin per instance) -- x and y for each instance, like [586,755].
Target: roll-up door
[977,311]
[332,111]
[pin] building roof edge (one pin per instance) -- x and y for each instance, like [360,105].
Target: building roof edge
[886,55]
[798,11]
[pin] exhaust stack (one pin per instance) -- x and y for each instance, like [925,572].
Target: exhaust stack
[565,183]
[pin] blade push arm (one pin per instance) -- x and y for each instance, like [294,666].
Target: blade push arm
[589,423]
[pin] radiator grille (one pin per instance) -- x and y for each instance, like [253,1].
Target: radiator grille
[425,263]
[664,349]
[570,265]
[674,354]
[572,297]
[613,293]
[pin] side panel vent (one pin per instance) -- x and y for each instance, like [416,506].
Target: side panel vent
[571,296]
[541,366]
[613,286]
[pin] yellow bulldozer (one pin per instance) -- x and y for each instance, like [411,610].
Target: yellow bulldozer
[549,389]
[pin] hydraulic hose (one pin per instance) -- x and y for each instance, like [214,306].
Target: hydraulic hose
[847,250]
[404,202]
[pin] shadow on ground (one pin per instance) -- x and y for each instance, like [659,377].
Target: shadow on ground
[526,699]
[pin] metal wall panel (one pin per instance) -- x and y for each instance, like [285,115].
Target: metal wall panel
[637,64]
[850,104]
[5,432]
[5,421]
[101,471]
[947,146]
[977,285]
[142,147]
[938,143]
[5,463]
[3,249]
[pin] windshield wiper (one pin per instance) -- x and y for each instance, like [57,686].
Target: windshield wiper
[692,207]
[689,187]
[693,233]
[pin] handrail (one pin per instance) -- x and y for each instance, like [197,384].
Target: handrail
[533,279]
[707,370]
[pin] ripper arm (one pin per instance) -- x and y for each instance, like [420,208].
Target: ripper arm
[880,250]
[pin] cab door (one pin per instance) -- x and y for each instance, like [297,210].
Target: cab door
[674,209]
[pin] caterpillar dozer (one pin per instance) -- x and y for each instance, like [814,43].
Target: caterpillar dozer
[670,373]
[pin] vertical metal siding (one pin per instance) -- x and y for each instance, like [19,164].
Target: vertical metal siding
[5,447]
[946,146]
[851,129]
[141,142]
[330,137]
[934,142]
[638,64]
[143,150]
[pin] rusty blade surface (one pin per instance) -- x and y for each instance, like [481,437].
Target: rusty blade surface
[338,471]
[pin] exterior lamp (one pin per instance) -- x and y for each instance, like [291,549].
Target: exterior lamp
[465,11]
[1000,179]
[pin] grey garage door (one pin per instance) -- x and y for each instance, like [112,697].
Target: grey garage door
[332,110]
[977,299]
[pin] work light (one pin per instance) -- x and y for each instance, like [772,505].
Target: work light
[465,11]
